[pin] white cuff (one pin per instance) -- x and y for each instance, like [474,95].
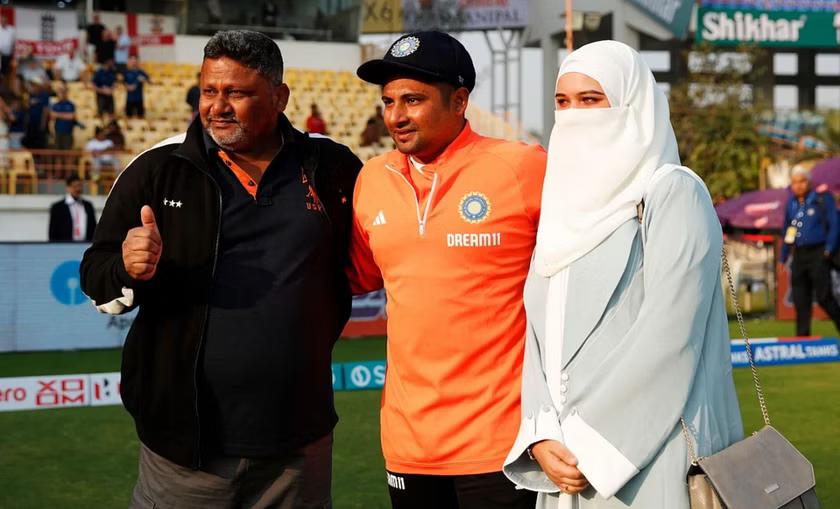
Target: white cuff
[118,305]
[519,467]
[606,469]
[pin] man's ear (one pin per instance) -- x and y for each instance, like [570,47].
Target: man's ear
[281,97]
[460,100]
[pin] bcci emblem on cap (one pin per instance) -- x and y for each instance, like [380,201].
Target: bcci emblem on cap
[474,208]
[405,47]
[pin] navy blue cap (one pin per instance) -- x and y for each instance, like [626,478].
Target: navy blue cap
[432,56]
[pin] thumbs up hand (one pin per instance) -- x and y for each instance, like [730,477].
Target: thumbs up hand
[142,247]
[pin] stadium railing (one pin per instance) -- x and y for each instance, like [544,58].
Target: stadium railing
[45,171]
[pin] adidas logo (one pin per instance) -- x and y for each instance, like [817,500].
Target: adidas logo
[380,219]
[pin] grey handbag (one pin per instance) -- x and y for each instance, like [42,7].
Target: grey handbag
[763,471]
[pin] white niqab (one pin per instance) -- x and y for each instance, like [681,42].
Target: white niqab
[600,160]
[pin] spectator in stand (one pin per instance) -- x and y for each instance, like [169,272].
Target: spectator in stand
[64,114]
[37,115]
[17,124]
[29,68]
[194,95]
[6,119]
[69,66]
[115,134]
[7,46]
[379,121]
[100,148]
[103,83]
[133,79]
[17,89]
[315,124]
[123,45]
[7,98]
[94,38]
[24,57]
[8,91]
[73,218]
[269,14]
[107,48]
[214,11]
[370,136]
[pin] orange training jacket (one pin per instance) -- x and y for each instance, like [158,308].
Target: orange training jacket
[452,244]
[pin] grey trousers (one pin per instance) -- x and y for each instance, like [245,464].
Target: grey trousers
[300,480]
[64,141]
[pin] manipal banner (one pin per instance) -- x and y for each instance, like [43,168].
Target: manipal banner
[730,27]
[400,16]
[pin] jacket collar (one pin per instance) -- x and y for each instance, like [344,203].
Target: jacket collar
[459,148]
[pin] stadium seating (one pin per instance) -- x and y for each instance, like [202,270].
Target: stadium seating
[346,103]
[21,171]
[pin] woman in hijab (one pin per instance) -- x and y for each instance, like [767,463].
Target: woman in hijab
[627,329]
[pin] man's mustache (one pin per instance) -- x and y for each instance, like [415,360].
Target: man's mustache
[226,118]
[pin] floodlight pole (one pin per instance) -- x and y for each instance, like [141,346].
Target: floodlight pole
[570,46]
[501,59]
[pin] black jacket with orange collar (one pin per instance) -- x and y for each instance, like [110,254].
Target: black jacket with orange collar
[162,349]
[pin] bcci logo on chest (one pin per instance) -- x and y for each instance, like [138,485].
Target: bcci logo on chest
[474,208]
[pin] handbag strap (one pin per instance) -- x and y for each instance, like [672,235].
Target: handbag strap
[740,317]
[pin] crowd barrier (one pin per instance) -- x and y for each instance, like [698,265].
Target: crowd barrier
[45,171]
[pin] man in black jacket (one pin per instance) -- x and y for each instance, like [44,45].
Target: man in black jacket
[232,240]
[73,218]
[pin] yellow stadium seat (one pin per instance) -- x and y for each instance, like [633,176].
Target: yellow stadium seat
[22,166]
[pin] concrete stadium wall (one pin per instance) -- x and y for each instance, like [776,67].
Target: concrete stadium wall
[335,56]
[25,218]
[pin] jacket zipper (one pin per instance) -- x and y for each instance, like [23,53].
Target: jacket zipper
[206,308]
[420,220]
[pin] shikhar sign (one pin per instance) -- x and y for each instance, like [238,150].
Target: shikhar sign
[727,27]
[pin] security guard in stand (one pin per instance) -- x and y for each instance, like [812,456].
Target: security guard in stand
[811,229]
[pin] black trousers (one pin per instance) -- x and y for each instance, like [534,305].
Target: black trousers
[134,110]
[104,104]
[5,65]
[480,491]
[810,280]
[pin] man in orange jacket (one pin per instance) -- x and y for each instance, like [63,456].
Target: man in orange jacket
[447,223]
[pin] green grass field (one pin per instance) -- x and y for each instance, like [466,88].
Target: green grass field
[86,457]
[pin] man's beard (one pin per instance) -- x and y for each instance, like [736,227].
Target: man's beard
[231,140]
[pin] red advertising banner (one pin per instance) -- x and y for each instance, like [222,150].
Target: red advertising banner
[48,32]
[37,392]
